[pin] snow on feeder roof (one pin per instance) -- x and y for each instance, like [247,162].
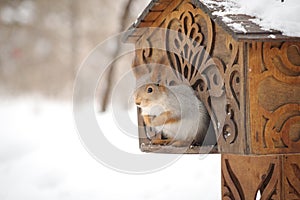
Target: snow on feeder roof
[244,20]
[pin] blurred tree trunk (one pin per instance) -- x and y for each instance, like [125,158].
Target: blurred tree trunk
[74,37]
[123,25]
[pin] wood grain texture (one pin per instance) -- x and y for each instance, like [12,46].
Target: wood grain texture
[243,177]
[274,85]
[211,61]
[291,176]
[267,176]
[250,89]
[253,32]
[249,85]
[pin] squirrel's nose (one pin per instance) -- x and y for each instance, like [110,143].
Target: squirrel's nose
[138,101]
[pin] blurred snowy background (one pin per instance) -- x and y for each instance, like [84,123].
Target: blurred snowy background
[42,44]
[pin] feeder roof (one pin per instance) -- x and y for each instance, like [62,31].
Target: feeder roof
[240,26]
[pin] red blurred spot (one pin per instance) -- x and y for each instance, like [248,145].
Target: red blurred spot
[16,53]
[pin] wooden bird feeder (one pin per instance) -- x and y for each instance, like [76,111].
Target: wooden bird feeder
[255,79]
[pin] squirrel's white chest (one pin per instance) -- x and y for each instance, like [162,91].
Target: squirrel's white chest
[154,110]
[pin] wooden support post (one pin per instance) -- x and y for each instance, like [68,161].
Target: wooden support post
[249,83]
[261,177]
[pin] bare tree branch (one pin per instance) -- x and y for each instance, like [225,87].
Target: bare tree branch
[107,92]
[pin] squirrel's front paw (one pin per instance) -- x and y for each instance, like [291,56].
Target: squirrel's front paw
[148,119]
[160,139]
[180,143]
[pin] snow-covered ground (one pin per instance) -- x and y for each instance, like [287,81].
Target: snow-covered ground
[41,157]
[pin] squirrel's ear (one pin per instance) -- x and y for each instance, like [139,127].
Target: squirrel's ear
[158,83]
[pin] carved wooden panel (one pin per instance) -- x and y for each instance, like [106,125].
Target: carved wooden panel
[291,176]
[274,84]
[233,133]
[189,42]
[213,63]
[209,59]
[247,177]
[250,89]
[260,177]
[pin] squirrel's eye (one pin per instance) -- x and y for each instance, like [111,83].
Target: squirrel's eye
[149,90]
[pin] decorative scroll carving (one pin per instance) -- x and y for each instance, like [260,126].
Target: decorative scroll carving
[149,52]
[232,188]
[284,59]
[142,57]
[187,47]
[217,81]
[267,188]
[212,69]
[236,80]
[230,127]
[291,177]
[244,177]
[233,87]
[275,99]
[188,43]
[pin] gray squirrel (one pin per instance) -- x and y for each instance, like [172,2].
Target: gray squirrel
[175,111]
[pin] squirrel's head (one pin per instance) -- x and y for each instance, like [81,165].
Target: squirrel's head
[149,94]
